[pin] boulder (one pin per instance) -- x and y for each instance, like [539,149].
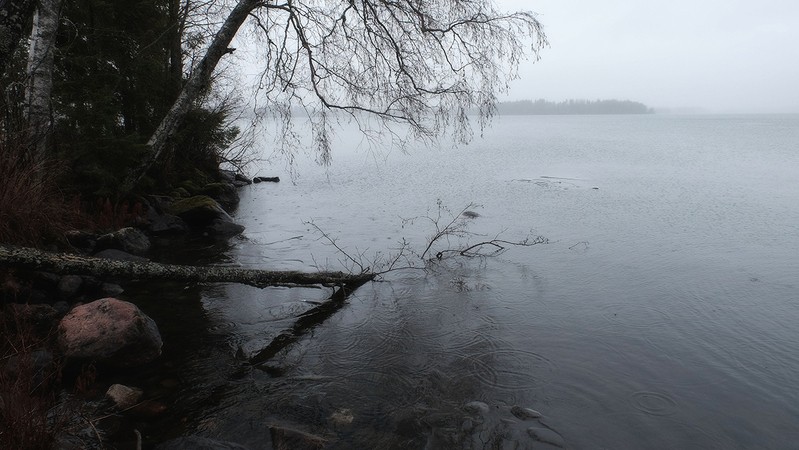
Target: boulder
[203,212]
[160,223]
[242,179]
[81,240]
[69,286]
[110,331]
[224,193]
[130,240]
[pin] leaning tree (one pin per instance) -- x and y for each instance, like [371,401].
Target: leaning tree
[423,63]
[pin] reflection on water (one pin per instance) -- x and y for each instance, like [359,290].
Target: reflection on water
[662,315]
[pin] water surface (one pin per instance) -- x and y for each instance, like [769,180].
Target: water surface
[662,314]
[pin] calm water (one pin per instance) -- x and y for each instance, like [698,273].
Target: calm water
[663,314]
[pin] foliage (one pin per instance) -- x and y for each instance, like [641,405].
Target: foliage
[116,75]
[426,65]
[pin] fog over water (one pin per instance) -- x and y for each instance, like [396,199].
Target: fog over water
[720,56]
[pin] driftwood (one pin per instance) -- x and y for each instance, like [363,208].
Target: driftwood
[64,263]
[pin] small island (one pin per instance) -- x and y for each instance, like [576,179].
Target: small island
[544,107]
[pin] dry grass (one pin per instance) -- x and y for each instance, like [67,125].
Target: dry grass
[30,415]
[32,208]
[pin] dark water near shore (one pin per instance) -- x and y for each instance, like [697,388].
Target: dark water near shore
[662,314]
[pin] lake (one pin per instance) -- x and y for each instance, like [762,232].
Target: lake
[661,314]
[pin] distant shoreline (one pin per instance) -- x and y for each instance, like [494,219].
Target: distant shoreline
[572,107]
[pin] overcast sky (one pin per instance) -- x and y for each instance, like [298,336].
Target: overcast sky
[720,55]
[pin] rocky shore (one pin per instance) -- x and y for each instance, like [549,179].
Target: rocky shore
[69,334]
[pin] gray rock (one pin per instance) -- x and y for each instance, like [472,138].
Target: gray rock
[123,397]
[525,413]
[228,176]
[224,228]
[81,240]
[224,193]
[110,331]
[242,179]
[198,443]
[128,239]
[111,289]
[160,223]
[69,286]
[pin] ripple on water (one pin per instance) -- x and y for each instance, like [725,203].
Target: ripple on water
[511,370]
[654,403]
[634,315]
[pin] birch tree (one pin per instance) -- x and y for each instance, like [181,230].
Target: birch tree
[14,18]
[40,73]
[425,64]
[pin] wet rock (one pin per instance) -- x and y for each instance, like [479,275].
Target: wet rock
[161,223]
[61,307]
[111,289]
[81,240]
[224,228]
[198,443]
[476,408]
[228,176]
[119,255]
[240,178]
[266,180]
[69,286]
[123,397]
[109,330]
[546,436]
[525,413]
[224,193]
[292,439]
[203,212]
[130,240]
[342,417]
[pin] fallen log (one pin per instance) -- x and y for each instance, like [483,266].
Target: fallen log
[71,264]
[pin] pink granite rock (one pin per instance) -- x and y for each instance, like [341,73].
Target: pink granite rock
[110,331]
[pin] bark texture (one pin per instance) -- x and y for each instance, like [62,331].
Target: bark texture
[14,17]
[195,85]
[40,72]
[63,264]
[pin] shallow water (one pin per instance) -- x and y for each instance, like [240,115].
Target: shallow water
[661,315]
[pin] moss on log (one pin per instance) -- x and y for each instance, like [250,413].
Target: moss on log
[65,263]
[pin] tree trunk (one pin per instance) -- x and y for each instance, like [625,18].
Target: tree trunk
[63,263]
[196,84]
[40,73]
[14,18]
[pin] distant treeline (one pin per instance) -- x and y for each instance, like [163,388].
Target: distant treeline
[542,106]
